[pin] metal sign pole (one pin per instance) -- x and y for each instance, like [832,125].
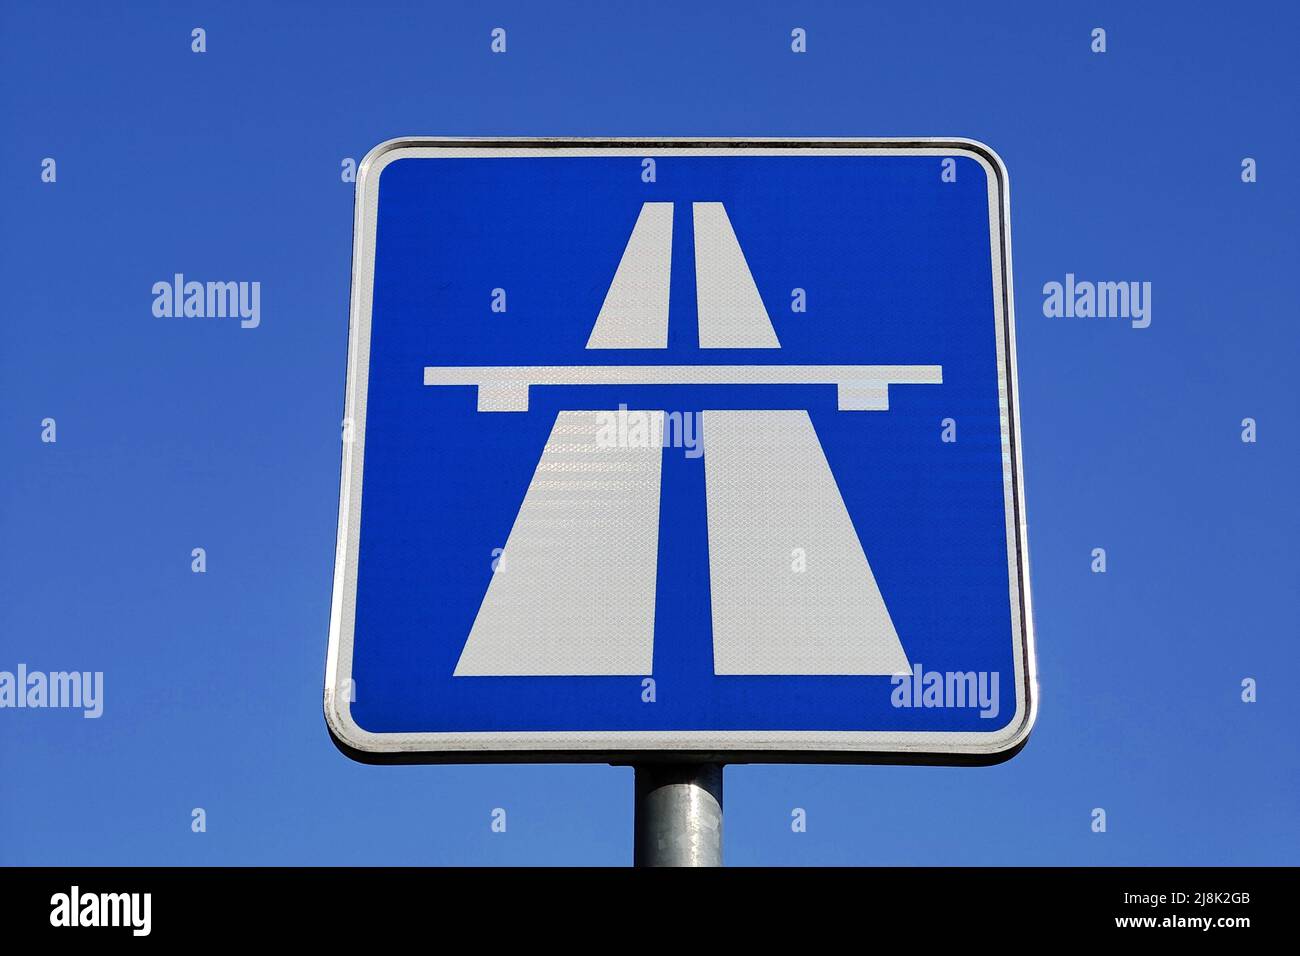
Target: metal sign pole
[678,814]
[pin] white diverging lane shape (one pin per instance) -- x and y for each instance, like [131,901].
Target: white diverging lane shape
[634,314]
[731,312]
[769,490]
[556,605]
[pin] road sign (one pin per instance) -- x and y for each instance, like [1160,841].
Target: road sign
[681,448]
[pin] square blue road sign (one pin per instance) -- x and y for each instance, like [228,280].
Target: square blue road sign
[698,448]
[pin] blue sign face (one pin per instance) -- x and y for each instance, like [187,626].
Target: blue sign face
[681,446]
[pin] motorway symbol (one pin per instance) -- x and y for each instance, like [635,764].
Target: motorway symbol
[721,533]
[764,470]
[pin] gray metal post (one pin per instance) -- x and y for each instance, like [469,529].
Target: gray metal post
[678,815]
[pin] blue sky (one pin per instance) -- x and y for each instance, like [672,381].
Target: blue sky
[181,434]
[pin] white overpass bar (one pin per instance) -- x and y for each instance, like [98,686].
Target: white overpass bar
[504,388]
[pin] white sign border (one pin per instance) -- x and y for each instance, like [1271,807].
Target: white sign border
[730,746]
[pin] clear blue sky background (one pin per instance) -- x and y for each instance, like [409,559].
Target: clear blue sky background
[179,434]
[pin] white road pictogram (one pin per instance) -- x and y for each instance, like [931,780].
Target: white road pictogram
[574,592]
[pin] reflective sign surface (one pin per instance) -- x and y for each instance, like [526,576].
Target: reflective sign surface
[674,446]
